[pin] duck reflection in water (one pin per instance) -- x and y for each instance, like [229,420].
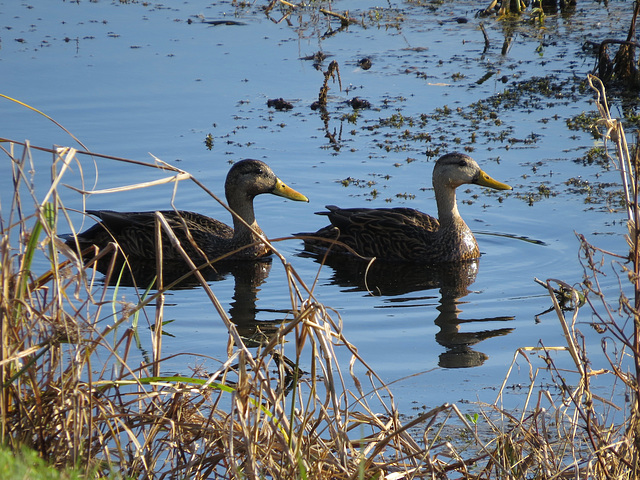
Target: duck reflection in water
[453,279]
[248,277]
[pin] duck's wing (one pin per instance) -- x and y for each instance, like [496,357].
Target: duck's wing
[396,234]
[198,224]
[380,218]
[135,232]
[117,222]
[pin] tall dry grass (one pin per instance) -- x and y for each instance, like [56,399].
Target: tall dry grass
[74,392]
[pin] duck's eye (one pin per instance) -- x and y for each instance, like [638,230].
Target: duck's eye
[462,163]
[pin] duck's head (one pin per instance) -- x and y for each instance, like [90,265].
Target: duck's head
[455,169]
[253,177]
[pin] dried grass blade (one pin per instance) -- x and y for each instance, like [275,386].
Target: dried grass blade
[174,178]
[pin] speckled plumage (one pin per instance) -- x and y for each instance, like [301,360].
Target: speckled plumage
[202,238]
[405,234]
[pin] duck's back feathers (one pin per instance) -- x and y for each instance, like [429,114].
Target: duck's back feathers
[393,234]
[134,232]
[345,218]
[121,221]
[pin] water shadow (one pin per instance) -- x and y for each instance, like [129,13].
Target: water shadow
[453,281]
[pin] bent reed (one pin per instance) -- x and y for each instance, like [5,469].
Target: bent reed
[73,393]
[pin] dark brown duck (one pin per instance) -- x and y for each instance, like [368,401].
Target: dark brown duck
[203,238]
[405,234]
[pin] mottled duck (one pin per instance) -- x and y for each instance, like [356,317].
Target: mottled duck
[405,234]
[207,238]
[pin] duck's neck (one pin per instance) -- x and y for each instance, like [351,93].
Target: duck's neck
[448,214]
[452,226]
[243,205]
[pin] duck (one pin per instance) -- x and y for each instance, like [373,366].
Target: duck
[405,234]
[207,238]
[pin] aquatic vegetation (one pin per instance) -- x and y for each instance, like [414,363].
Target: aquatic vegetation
[596,155]
[621,73]
[585,121]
